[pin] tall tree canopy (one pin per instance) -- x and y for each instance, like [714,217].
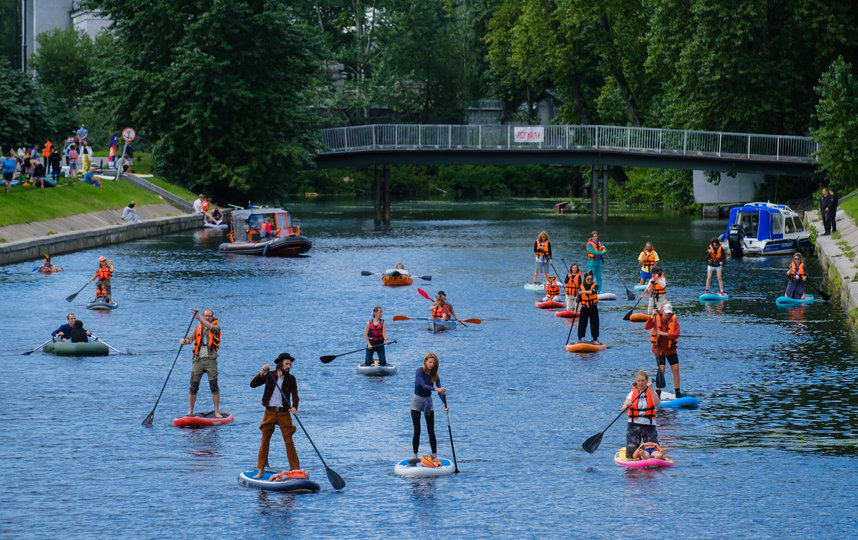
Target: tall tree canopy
[219,85]
[837,124]
[24,118]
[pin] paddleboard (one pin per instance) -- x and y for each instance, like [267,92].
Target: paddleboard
[670,401]
[713,297]
[102,306]
[585,347]
[549,304]
[651,463]
[786,300]
[641,287]
[290,485]
[566,314]
[205,419]
[208,225]
[376,371]
[436,326]
[534,286]
[638,317]
[408,470]
[607,296]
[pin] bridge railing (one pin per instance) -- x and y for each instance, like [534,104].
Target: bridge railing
[569,137]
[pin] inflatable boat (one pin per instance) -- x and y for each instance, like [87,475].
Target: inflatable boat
[396,279]
[67,348]
[246,234]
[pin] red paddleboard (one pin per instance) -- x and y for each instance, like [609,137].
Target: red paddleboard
[549,304]
[205,419]
[566,314]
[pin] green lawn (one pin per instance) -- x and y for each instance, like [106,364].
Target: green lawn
[26,204]
[172,188]
[850,205]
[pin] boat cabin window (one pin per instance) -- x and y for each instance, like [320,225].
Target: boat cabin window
[777,224]
[255,221]
[282,222]
[789,228]
[799,225]
[749,222]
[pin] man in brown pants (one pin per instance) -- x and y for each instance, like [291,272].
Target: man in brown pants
[278,410]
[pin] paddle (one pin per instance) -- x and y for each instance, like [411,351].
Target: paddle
[571,326]
[37,348]
[450,431]
[147,422]
[96,338]
[592,443]
[404,318]
[71,297]
[629,294]
[368,273]
[825,296]
[659,376]
[329,358]
[335,479]
[629,314]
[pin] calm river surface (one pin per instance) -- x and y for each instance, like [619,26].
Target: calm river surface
[770,453]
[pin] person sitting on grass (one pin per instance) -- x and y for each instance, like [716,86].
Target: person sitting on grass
[89,178]
[129,214]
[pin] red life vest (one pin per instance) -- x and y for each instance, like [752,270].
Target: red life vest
[103,272]
[376,333]
[655,287]
[797,273]
[552,289]
[589,299]
[648,412]
[671,327]
[597,246]
[542,249]
[713,257]
[214,340]
[573,285]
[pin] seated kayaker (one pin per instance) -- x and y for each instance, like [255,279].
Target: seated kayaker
[65,329]
[101,293]
[641,403]
[552,290]
[399,270]
[441,309]
[78,334]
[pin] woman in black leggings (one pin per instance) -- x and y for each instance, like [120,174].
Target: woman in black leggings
[424,383]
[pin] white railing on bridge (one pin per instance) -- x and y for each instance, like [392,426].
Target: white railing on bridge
[616,138]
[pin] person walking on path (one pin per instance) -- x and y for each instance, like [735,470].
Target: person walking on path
[647,259]
[797,275]
[206,340]
[542,250]
[425,381]
[664,337]
[595,253]
[280,399]
[641,403]
[589,300]
[375,334]
[824,203]
[714,263]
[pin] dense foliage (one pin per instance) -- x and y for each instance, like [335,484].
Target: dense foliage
[24,118]
[837,120]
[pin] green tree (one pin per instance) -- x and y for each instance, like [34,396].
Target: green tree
[220,86]
[837,125]
[24,118]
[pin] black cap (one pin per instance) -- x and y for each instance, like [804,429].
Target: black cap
[283,356]
[442,293]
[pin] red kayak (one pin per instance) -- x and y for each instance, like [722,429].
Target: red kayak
[549,304]
[566,314]
[205,419]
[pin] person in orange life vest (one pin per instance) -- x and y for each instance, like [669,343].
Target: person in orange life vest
[103,274]
[656,289]
[266,231]
[280,399]
[647,259]
[797,275]
[206,340]
[714,262]
[641,404]
[573,285]
[552,289]
[441,309]
[375,334]
[595,253]
[588,297]
[100,293]
[542,250]
[665,334]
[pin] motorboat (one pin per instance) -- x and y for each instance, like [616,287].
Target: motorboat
[247,233]
[762,228]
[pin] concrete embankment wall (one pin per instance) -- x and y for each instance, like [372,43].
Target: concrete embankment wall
[31,250]
[838,259]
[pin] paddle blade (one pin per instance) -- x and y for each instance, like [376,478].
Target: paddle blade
[401,318]
[423,294]
[659,378]
[147,422]
[825,296]
[71,297]
[426,278]
[336,480]
[365,273]
[629,294]
[327,359]
[628,315]
[473,321]
[592,444]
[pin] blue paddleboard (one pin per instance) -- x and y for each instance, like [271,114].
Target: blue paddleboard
[671,402]
[786,300]
[640,287]
[713,297]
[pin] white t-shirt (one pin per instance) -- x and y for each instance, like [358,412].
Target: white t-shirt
[198,206]
[641,407]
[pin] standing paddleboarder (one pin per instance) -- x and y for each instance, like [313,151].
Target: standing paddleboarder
[665,334]
[641,404]
[375,334]
[206,339]
[425,382]
[595,253]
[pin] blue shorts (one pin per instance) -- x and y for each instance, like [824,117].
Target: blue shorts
[646,276]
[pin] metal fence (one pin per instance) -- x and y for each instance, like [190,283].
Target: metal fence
[616,138]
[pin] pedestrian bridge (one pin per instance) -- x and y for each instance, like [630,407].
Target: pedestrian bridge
[386,144]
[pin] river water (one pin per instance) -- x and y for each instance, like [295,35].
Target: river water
[771,452]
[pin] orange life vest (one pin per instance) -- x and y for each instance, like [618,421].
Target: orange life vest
[589,299]
[103,272]
[797,273]
[376,333]
[205,205]
[214,340]
[655,287]
[597,246]
[672,326]
[552,288]
[573,285]
[438,312]
[542,249]
[713,257]
[648,412]
[648,259]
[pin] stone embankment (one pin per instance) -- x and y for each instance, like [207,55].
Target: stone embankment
[839,259]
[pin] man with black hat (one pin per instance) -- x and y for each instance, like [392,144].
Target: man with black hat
[280,400]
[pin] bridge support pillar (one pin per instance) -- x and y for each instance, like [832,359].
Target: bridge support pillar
[386,195]
[381,194]
[604,194]
[594,194]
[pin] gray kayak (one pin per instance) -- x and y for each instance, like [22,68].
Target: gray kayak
[376,371]
[102,306]
[67,348]
[435,326]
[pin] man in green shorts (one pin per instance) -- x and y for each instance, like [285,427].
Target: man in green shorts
[206,340]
